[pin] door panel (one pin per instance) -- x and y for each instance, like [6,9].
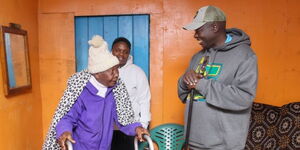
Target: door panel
[81,45]
[133,27]
[141,43]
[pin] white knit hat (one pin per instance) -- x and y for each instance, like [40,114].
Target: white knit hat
[100,59]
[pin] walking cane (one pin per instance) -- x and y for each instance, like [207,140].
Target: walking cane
[187,134]
[189,120]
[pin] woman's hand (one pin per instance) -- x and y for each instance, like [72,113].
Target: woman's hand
[139,133]
[63,139]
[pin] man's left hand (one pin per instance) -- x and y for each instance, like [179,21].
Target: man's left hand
[140,131]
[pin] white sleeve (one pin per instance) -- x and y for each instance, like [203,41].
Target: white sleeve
[143,96]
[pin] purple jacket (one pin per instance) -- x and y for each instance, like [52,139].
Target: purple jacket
[91,120]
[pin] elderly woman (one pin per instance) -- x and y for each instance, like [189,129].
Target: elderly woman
[94,100]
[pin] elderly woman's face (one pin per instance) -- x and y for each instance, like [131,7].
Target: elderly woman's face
[109,77]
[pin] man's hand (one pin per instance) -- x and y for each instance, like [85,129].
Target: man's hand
[191,78]
[139,133]
[63,139]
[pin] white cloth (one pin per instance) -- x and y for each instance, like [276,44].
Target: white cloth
[100,87]
[137,86]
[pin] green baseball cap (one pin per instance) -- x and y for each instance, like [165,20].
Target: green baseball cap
[204,15]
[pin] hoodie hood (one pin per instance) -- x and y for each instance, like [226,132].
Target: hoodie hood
[129,62]
[239,37]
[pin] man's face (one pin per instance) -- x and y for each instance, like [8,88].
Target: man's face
[205,35]
[121,51]
[109,77]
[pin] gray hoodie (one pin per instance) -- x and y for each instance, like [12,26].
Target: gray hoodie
[220,120]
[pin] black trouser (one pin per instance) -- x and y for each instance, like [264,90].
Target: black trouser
[122,141]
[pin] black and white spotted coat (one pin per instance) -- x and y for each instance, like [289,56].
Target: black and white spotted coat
[75,85]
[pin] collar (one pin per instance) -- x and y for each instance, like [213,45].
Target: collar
[128,62]
[99,89]
[228,38]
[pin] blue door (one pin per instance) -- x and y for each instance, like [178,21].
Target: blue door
[133,27]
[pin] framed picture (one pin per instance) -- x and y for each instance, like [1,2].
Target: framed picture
[15,60]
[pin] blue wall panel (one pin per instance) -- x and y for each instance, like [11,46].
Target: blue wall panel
[110,29]
[81,39]
[141,42]
[133,27]
[125,26]
[95,26]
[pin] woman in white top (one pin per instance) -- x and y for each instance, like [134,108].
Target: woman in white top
[137,85]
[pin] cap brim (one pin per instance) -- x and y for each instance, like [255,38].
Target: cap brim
[193,25]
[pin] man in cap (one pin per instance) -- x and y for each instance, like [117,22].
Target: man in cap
[224,77]
[90,107]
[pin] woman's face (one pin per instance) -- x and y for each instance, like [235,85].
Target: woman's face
[109,77]
[121,51]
